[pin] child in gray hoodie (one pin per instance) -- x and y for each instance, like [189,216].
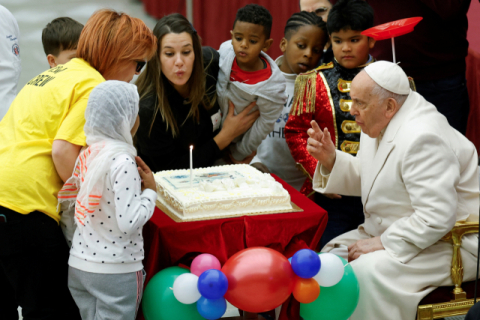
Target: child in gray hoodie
[247,74]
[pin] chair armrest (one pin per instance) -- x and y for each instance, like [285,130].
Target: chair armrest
[460,229]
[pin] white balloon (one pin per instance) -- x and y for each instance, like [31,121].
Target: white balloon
[185,288]
[331,270]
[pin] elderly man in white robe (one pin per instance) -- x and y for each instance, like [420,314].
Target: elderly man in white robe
[417,176]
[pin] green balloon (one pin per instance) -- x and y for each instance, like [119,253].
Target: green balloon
[159,303]
[337,302]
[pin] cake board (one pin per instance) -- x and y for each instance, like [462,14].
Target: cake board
[174,217]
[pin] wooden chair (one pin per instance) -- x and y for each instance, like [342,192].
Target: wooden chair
[443,301]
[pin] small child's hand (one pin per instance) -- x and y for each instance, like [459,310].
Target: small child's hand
[148,181]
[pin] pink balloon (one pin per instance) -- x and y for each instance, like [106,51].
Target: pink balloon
[204,262]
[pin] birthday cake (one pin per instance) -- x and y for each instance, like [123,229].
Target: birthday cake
[222,191]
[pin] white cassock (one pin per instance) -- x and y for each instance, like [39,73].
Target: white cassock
[415,182]
[10,66]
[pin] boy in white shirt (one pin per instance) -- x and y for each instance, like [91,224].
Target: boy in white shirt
[305,36]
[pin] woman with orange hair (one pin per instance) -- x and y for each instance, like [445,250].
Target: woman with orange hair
[40,139]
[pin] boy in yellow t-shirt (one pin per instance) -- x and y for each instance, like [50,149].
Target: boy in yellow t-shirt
[39,136]
[27,134]
[60,39]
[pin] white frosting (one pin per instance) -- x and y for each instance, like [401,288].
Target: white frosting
[220,191]
[262,182]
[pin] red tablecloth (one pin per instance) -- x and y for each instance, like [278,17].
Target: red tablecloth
[168,243]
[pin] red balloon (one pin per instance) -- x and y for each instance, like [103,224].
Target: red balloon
[259,279]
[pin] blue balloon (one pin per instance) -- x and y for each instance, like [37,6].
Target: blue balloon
[305,263]
[212,284]
[211,308]
[290,260]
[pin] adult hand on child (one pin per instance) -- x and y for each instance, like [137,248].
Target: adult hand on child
[240,123]
[320,146]
[235,125]
[148,181]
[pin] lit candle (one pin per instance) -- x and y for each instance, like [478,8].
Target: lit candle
[191,167]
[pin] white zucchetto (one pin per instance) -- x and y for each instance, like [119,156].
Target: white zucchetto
[389,76]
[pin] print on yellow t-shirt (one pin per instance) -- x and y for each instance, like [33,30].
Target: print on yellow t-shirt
[50,107]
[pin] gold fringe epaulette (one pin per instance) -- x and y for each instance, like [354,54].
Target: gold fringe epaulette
[324,66]
[305,90]
[305,86]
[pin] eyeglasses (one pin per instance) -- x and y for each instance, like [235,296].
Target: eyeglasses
[140,65]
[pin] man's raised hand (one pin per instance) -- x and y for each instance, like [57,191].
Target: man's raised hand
[320,146]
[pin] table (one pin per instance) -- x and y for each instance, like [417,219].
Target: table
[169,243]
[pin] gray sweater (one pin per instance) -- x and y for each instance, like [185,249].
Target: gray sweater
[269,94]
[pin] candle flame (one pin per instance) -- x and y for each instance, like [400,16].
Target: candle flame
[191,147]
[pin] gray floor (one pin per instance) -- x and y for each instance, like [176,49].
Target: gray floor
[33,15]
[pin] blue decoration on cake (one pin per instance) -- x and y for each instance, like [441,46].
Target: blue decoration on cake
[183,181]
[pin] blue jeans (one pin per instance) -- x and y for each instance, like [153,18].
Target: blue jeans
[450,96]
[344,214]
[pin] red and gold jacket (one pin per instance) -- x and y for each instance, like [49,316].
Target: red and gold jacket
[323,95]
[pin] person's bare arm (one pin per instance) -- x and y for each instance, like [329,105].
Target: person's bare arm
[64,155]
